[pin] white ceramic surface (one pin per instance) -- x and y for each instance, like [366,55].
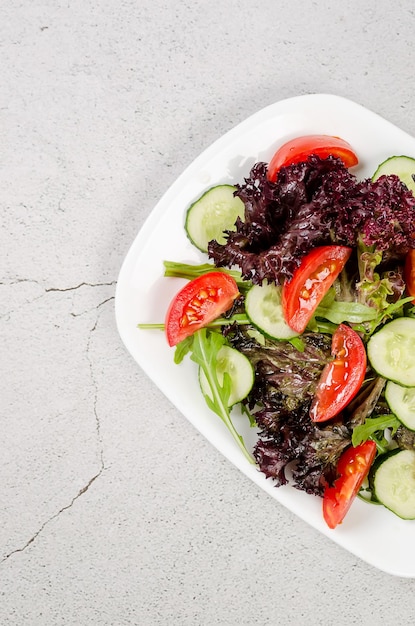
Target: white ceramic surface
[142,295]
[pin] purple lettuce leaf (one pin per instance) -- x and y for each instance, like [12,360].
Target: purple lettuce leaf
[317,202]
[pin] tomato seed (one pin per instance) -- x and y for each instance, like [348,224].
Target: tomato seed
[184,321]
[195,303]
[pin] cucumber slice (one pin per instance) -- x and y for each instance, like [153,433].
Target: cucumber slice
[240,370]
[391,351]
[401,401]
[264,310]
[394,482]
[402,166]
[215,211]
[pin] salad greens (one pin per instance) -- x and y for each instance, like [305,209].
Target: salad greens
[204,347]
[318,202]
[313,203]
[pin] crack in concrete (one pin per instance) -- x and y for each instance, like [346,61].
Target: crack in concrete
[96,307]
[53,290]
[95,386]
[83,284]
[17,281]
[102,467]
[55,516]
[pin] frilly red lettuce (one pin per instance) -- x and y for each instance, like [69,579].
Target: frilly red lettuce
[318,202]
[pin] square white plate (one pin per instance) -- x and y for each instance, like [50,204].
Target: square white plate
[143,294]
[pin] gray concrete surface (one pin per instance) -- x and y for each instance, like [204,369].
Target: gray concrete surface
[113,509]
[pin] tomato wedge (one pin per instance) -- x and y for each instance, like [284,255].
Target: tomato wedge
[298,149]
[409,272]
[342,378]
[200,301]
[352,468]
[311,280]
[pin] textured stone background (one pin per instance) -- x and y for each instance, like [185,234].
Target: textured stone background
[113,509]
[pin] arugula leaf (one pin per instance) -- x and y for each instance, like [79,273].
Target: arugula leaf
[205,347]
[183,348]
[320,326]
[394,309]
[151,326]
[247,412]
[239,318]
[374,428]
[190,271]
[298,343]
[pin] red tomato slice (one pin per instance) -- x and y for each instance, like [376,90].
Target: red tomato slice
[200,301]
[342,378]
[300,148]
[311,280]
[409,272]
[353,467]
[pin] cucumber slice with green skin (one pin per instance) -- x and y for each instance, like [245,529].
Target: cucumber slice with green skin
[264,310]
[214,212]
[401,401]
[391,351]
[237,365]
[402,166]
[394,482]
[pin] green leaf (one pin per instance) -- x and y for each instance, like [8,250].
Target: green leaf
[392,310]
[320,326]
[377,290]
[352,312]
[373,426]
[239,318]
[189,271]
[396,307]
[247,412]
[182,349]
[205,347]
[298,343]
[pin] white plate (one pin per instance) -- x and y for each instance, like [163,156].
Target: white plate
[370,532]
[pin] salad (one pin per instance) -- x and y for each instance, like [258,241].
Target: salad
[303,316]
